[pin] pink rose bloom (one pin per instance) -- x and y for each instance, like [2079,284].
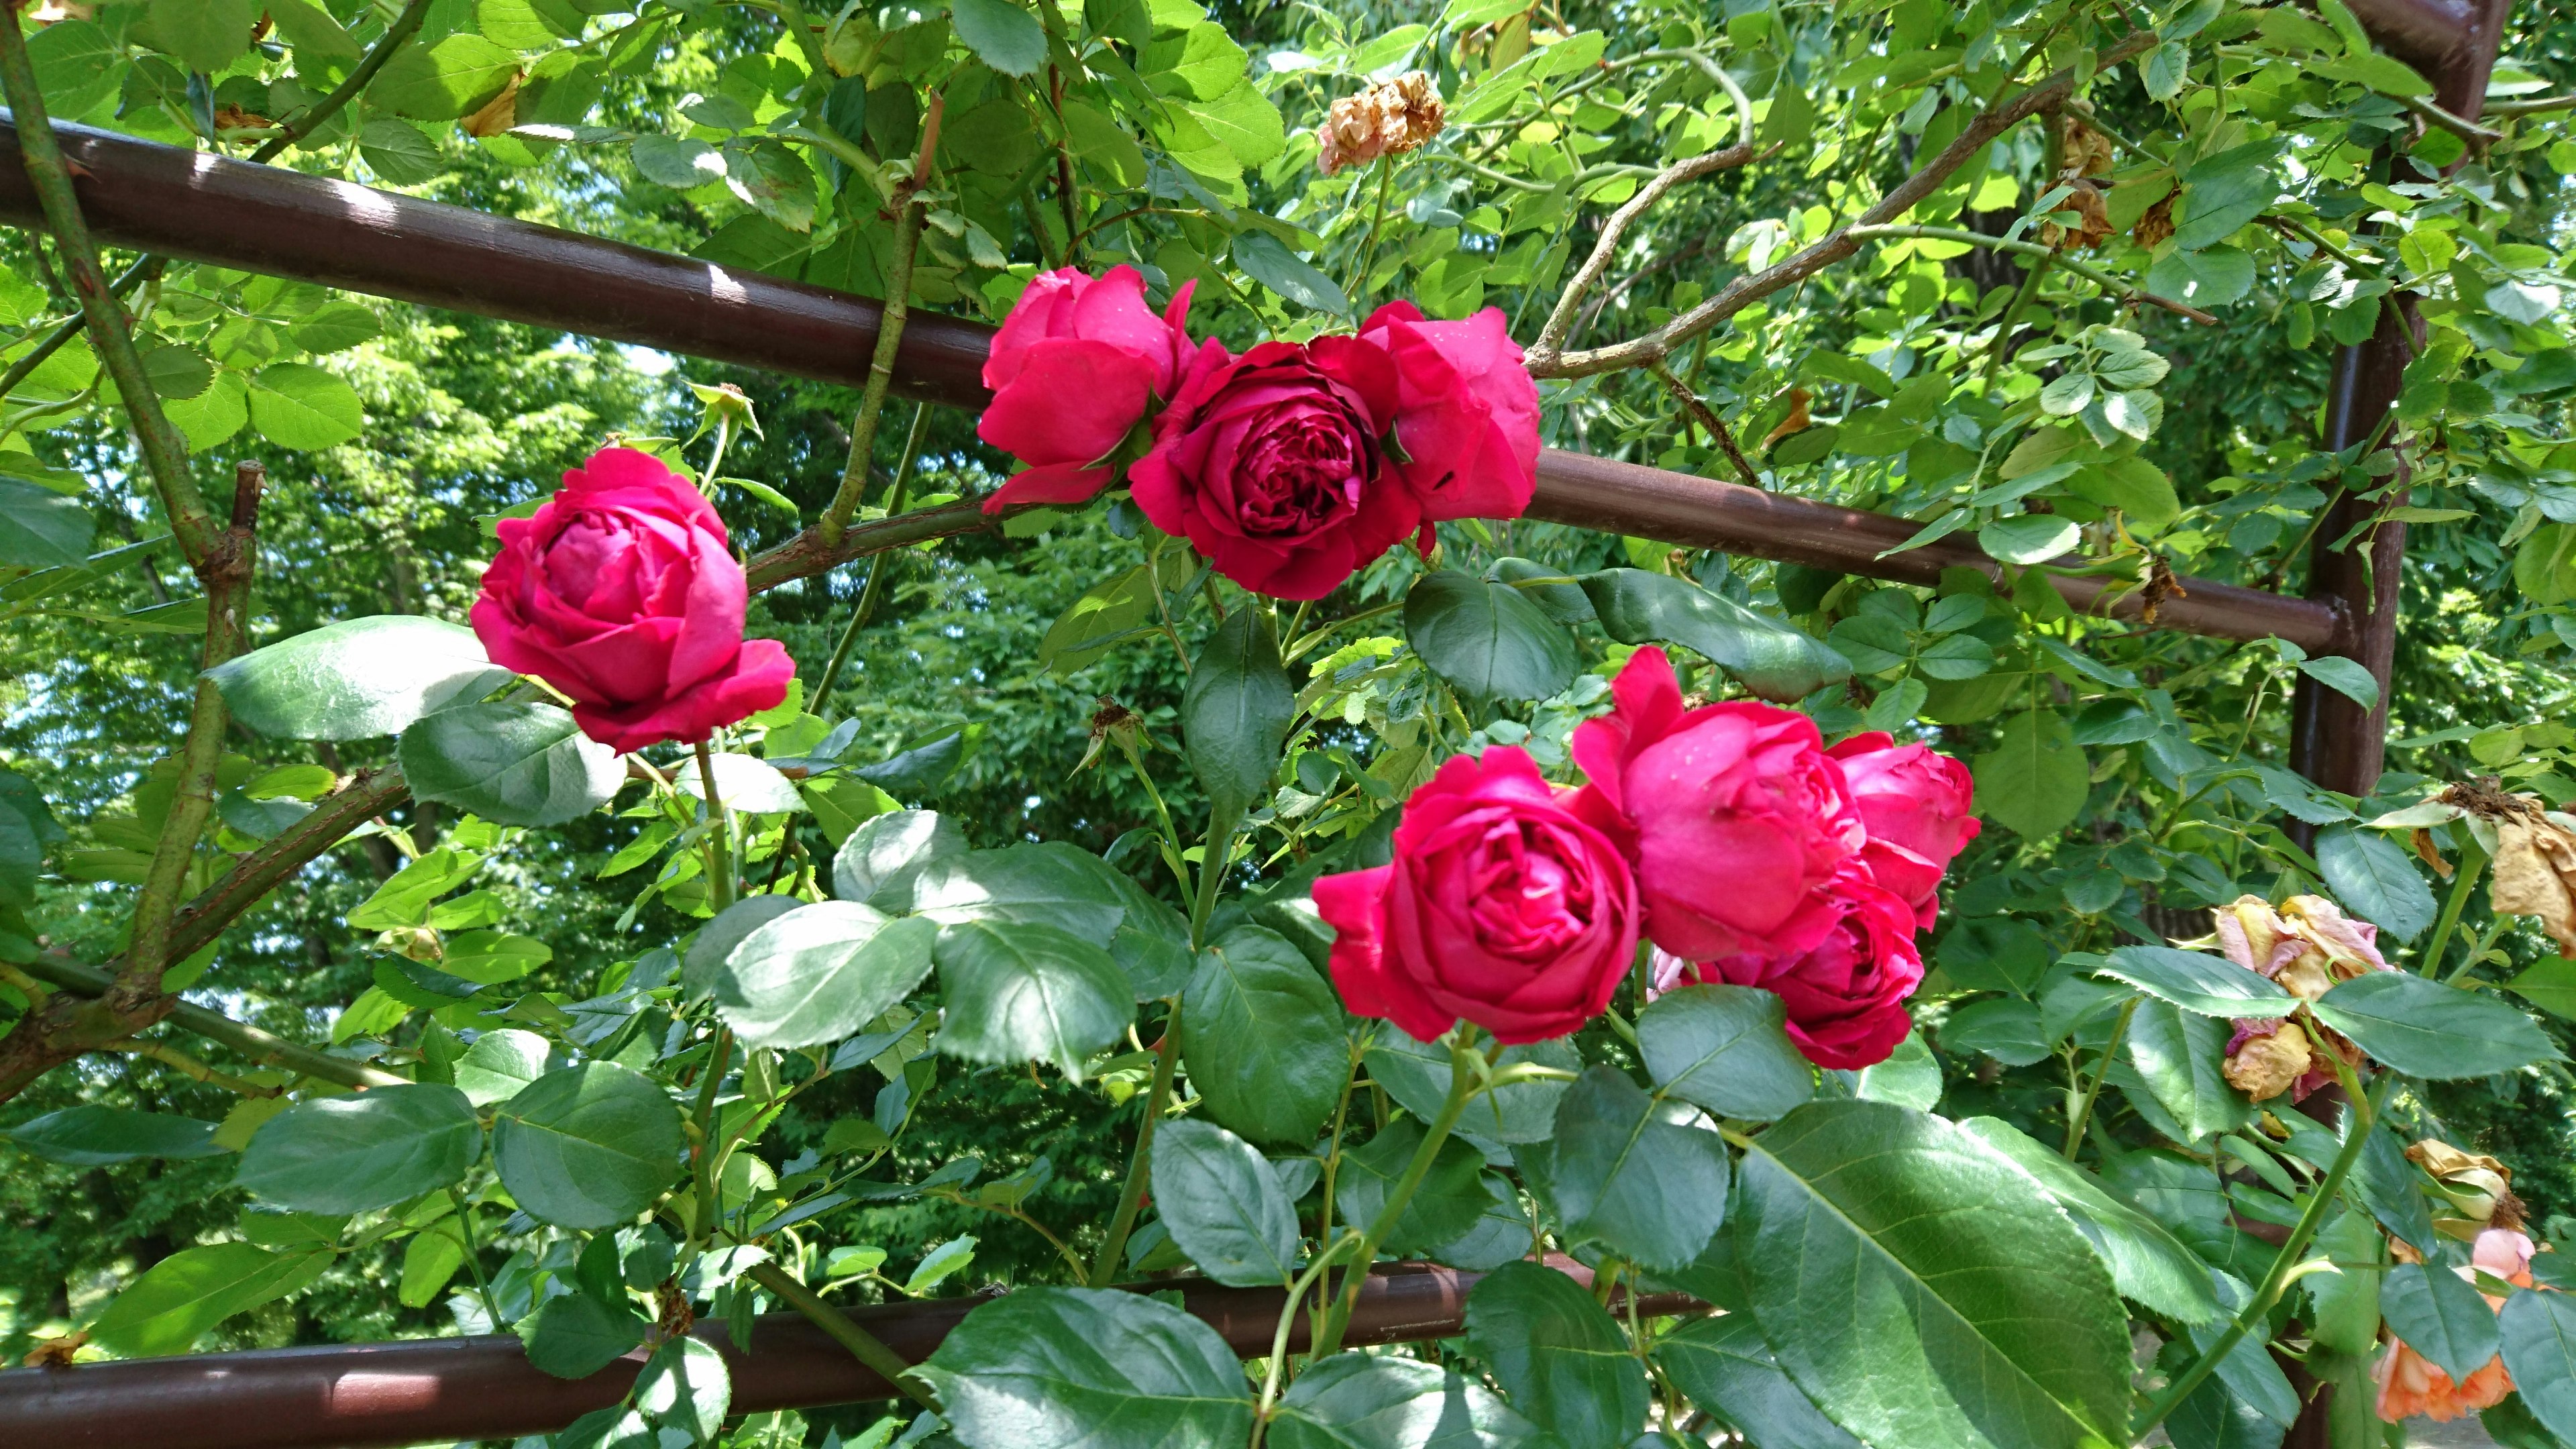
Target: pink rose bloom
[1916,805]
[1467,412]
[1501,906]
[1732,814]
[621,593]
[1074,368]
[1846,995]
[1269,464]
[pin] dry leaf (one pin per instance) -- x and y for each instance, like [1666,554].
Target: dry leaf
[2157,224]
[499,116]
[1797,421]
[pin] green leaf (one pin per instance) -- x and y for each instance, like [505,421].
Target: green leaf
[2030,538]
[177,372]
[2539,1335]
[311,30]
[2440,1316]
[2146,1262]
[1361,1401]
[430,1262]
[357,678]
[1725,1048]
[2549,985]
[500,1065]
[511,762]
[2224,192]
[574,1335]
[1236,711]
[488,958]
[686,1386]
[2425,1029]
[819,973]
[442,82]
[404,899]
[883,854]
[91,1135]
[1266,259]
[41,529]
[1261,1034]
[1074,1368]
[1019,991]
[1244,122]
[298,405]
[1417,1074]
[206,35]
[529,24]
[2164,69]
[78,66]
[1765,656]
[1451,1198]
[2035,779]
[2197,981]
[1558,1355]
[335,327]
[588,1146]
[2347,677]
[2182,1056]
[1222,1203]
[1724,1365]
[1627,1170]
[167,1309]
[1055,884]
[2376,881]
[1921,1291]
[1201,63]
[1485,640]
[368,1150]
[1910,1077]
[400,156]
[1089,630]
[1001,34]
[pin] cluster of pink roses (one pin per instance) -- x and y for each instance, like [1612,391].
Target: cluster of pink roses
[1727,835]
[1291,466]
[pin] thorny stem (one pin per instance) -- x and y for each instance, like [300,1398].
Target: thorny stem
[2101,1072]
[878,564]
[1463,1061]
[702,1217]
[1131,1198]
[898,301]
[719,820]
[864,1346]
[1368,253]
[1706,416]
[1560,322]
[259,1046]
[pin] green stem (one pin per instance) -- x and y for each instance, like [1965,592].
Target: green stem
[259,1047]
[1463,1062]
[898,302]
[474,1259]
[405,26]
[702,1217]
[2473,861]
[715,459]
[1213,851]
[1297,1291]
[721,886]
[146,270]
[1368,253]
[878,564]
[2093,1093]
[1131,1198]
[2002,342]
[1162,812]
[2364,1112]
[864,1346]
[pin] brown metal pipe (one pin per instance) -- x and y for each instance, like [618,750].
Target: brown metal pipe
[447,1389]
[205,208]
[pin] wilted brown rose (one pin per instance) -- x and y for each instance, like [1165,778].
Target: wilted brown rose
[2266,1066]
[2156,224]
[1388,119]
[2479,1186]
[2085,200]
[2535,874]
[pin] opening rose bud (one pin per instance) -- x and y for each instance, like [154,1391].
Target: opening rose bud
[1077,365]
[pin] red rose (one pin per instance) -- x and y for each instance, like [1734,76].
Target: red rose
[1916,805]
[1269,463]
[1075,367]
[1501,906]
[1732,814]
[1846,994]
[620,592]
[1466,412]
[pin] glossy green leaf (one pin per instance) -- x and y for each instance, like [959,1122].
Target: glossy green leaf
[587,1146]
[1922,1291]
[1261,1035]
[717,938]
[1724,1365]
[356,679]
[2034,780]
[511,762]
[94,1135]
[819,973]
[685,1385]
[1056,884]
[2441,1316]
[2538,1331]
[1266,259]
[41,529]
[1365,1401]
[1072,1368]
[1018,991]
[1416,1074]
[500,1065]
[574,1335]
[300,406]
[367,1150]
[2182,1056]
[444,81]
[171,1306]
[1767,657]
[2198,981]
[1236,711]
[1628,1171]
[2426,1029]
[2147,1264]
[205,35]
[1725,1048]
[1486,640]
[1223,1204]
[885,852]
[1001,34]
[1560,1357]
[1451,1197]
[2376,880]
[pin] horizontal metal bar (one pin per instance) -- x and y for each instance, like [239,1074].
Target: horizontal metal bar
[206,208]
[446,1389]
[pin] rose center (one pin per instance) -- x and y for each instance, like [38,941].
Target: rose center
[1530,904]
[1302,473]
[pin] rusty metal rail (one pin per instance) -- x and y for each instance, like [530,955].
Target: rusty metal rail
[205,208]
[444,1389]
